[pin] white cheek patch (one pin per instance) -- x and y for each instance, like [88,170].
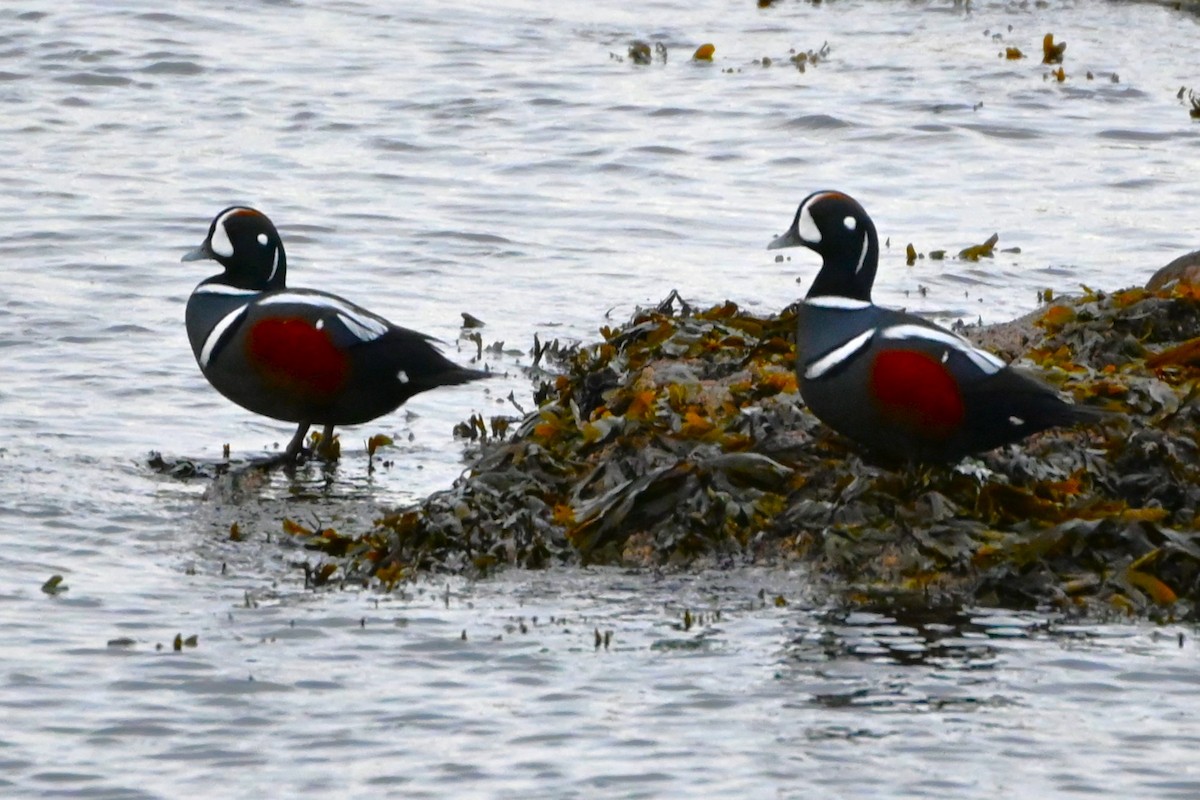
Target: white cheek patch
[850,222]
[214,336]
[838,355]
[806,226]
[220,243]
[837,302]
[402,376]
[1016,422]
[982,359]
[262,239]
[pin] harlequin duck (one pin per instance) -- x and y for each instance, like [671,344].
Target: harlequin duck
[299,355]
[900,386]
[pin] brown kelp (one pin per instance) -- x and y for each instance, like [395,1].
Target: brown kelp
[679,438]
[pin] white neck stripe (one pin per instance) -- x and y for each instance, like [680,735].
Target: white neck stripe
[224,288]
[838,302]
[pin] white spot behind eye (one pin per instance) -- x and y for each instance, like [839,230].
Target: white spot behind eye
[403,376]
[1016,421]
[262,238]
[850,222]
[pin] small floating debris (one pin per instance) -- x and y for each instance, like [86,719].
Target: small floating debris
[704,52]
[639,53]
[978,251]
[1052,53]
[54,585]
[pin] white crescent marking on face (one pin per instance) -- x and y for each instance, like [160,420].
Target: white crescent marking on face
[220,243]
[981,358]
[838,302]
[838,355]
[862,257]
[214,336]
[274,262]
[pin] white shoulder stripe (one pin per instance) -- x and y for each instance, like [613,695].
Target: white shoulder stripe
[986,361]
[214,336]
[364,326]
[359,330]
[835,301]
[838,355]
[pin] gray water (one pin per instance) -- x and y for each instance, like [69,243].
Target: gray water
[503,160]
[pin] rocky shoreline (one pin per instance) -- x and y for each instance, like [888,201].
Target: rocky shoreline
[679,440]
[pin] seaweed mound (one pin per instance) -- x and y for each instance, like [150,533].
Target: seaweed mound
[681,437]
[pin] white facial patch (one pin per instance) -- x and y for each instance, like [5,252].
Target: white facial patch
[1016,422]
[402,376]
[850,222]
[220,243]
[262,239]
[806,226]
[980,358]
[838,355]
[214,336]
[837,302]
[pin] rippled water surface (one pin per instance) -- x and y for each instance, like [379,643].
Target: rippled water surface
[506,159]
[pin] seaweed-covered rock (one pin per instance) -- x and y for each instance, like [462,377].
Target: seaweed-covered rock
[681,436]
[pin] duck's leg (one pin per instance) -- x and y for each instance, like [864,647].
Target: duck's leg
[296,445]
[325,448]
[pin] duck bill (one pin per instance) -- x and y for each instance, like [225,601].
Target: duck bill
[199,254]
[789,239]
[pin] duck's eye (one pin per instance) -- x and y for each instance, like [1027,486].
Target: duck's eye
[850,222]
[262,238]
